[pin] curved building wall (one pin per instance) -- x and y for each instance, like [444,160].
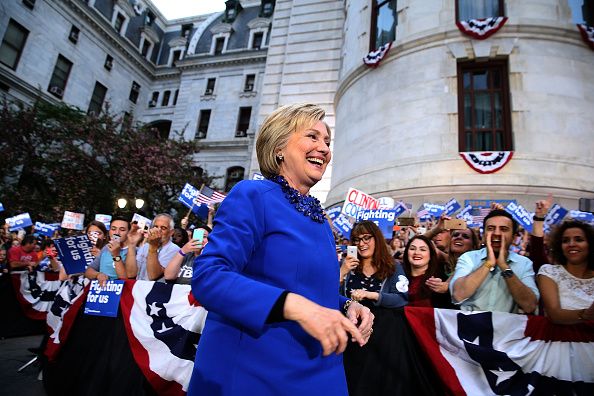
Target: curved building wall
[397,125]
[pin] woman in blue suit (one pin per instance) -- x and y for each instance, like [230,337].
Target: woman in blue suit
[268,276]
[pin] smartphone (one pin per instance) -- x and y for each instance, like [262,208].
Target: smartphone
[352,251]
[455,224]
[198,234]
[406,221]
[115,238]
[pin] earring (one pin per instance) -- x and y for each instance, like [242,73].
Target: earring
[280,157]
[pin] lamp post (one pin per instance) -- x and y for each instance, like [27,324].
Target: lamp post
[122,202]
[139,202]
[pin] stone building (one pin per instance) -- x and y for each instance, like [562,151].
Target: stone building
[398,129]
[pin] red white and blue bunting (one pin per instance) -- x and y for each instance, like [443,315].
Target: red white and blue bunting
[489,162]
[587,34]
[374,58]
[481,29]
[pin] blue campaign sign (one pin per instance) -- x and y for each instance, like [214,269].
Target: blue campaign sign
[520,214]
[333,212]
[74,253]
[188,194]
[466,214]
[433,209]
[400,208]
[452,206]
[581,216]
[45,229]
[384,218]
[343,225]
[104,301]
[555,215]
[19,222]
[201,211]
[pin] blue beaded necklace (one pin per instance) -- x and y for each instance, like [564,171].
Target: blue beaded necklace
[305,204]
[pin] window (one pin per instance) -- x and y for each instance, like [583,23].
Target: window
[234,176]
[186,29]
[203,124]
[483,105]
[154,99]
[478,9]
[582,11]
[233,7]
[175,57]
[210,86]
[73,36]
[243,121]
[149,18]
[175,97]
[119,22]
[257,42]
[166,96]
[146,46]
[60,77]
[13,44]
[266,8]
[108,62]
[219,45]
[250,79]
[134,92]
[384,20]
[29,3]
[97,99]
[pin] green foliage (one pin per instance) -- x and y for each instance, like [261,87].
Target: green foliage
[56,158]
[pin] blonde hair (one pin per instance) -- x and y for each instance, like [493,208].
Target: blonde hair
[278,127]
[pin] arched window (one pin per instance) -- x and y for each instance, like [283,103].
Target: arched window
[234,176]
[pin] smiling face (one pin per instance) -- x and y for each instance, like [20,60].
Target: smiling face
[365,245]
[574,245]
[418,254]
[461,241]
[306,157]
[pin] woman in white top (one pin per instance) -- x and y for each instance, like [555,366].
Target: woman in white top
[567,288]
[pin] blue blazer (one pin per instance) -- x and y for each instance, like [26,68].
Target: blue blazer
[260,246]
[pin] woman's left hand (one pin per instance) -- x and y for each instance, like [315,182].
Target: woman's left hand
[437,285]
[359,313]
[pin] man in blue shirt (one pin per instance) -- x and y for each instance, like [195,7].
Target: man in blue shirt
[109,264]
[493,278]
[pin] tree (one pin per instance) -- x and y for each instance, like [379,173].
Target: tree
[57,158]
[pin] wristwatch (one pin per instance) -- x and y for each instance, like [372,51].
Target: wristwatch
[489,265]
[117,258]
[507,273]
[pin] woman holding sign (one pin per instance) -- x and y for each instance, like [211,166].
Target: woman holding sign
[274,324]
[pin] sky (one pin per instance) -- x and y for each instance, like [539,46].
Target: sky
[173,9]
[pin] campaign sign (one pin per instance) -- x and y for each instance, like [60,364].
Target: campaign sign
[201,211]
[19,222]
[465,214]
[45,229]
[433,209]
[358,200]
[143,222]
[486,203]
[343,225]
[452,206]
[105,219]
[333,212]
[74,253]
[73,220]
[586,217]
[399,209]
[258,176]
[385,203]
[104,301]
[555,215]
[521,215]
[383,218]
[188,194]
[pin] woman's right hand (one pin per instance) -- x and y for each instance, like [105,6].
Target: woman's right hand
[328,326]
[349,264]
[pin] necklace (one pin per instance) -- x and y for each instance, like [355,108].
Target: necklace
[305,204]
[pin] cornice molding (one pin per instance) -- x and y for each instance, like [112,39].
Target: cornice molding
[221,28]
[259,23]
[126,7]
[151,33]
[177,42]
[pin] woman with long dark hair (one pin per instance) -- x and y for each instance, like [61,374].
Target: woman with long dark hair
[567,287]
[428,286]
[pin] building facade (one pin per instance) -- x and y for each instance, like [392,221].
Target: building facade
[398,129]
